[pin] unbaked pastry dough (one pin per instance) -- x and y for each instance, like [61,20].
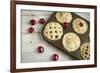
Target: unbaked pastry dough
[80,26]
[85,51]
[53,31]
[63,17]
[71,42]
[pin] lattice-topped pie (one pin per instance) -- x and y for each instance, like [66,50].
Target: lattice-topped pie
[85,51]
[53,31]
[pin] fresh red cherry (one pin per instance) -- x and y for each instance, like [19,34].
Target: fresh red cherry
[55,57]
[33,22]
[40,49]
[31,29]
[65,24]
[42,21]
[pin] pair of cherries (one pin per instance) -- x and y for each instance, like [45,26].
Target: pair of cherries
[33,22]
[54,57]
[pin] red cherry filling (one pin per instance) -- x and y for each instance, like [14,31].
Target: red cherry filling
[42,21]
[65,24]
[31,29]
[55,57]
[33,22]
[40,49]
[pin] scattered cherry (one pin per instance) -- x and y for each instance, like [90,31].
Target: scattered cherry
[65,24]
[40,49]
[42,21]
[31,29]
[55,57]
[33,22]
